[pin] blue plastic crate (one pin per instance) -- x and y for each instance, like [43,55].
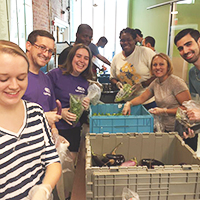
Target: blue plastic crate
[104,78]
[139,121]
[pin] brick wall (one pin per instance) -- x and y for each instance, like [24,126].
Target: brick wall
[41,14]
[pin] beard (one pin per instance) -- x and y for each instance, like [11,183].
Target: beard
[193,59]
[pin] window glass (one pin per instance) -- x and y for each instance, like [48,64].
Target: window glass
[29,17]
[13,22]
[21,21]
[87,12]
[106,17]
[98,20]
[110,28]
[75,16]
[4,30]
[121,21]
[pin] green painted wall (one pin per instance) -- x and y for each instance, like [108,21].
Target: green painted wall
[153,22]
[188,17]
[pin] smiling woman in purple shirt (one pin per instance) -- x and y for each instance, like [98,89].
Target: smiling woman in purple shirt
[71,78]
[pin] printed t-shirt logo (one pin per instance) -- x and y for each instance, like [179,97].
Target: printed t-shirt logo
[80,89]
[47,91]
[128,74]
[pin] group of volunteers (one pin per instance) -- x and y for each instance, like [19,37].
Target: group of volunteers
[30,165]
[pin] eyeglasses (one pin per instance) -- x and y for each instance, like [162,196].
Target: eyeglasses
[44,49]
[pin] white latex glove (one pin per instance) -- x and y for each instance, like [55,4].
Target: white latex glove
[193,115]
[40,192]
[58,138]
[119,85]
[158,111]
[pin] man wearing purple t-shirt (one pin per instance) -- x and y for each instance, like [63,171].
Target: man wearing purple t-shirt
[39,49]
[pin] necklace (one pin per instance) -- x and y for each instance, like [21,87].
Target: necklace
[196,75]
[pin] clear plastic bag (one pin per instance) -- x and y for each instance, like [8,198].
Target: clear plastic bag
[65,183]
[182,121]
[94,94]
[158,125]
[123,93]
[76,106]
[191,104]
[127,194]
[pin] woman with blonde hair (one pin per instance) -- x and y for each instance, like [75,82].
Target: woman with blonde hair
[30,166]
[169,90]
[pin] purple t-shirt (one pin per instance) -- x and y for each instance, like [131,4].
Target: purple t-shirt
[63,85]
[40,91]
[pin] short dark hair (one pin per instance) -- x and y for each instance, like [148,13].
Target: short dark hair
[103,39]
[151,40]
[67,67]
[82,27]
[128,30]
[138,32]
[194,34]
[32,38]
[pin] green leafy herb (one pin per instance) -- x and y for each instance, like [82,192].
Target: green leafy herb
[76,106]
[124,93]
[107,114]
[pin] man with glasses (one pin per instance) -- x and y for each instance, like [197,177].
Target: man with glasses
[39,49]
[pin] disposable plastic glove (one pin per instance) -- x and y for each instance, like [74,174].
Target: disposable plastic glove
[193,115]
[58,138]
[158,111]
[40,192]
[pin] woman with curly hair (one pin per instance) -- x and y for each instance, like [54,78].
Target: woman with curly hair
[132,65]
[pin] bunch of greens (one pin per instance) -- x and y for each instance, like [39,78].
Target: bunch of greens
[76,106]
[123,93]
[107,114]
